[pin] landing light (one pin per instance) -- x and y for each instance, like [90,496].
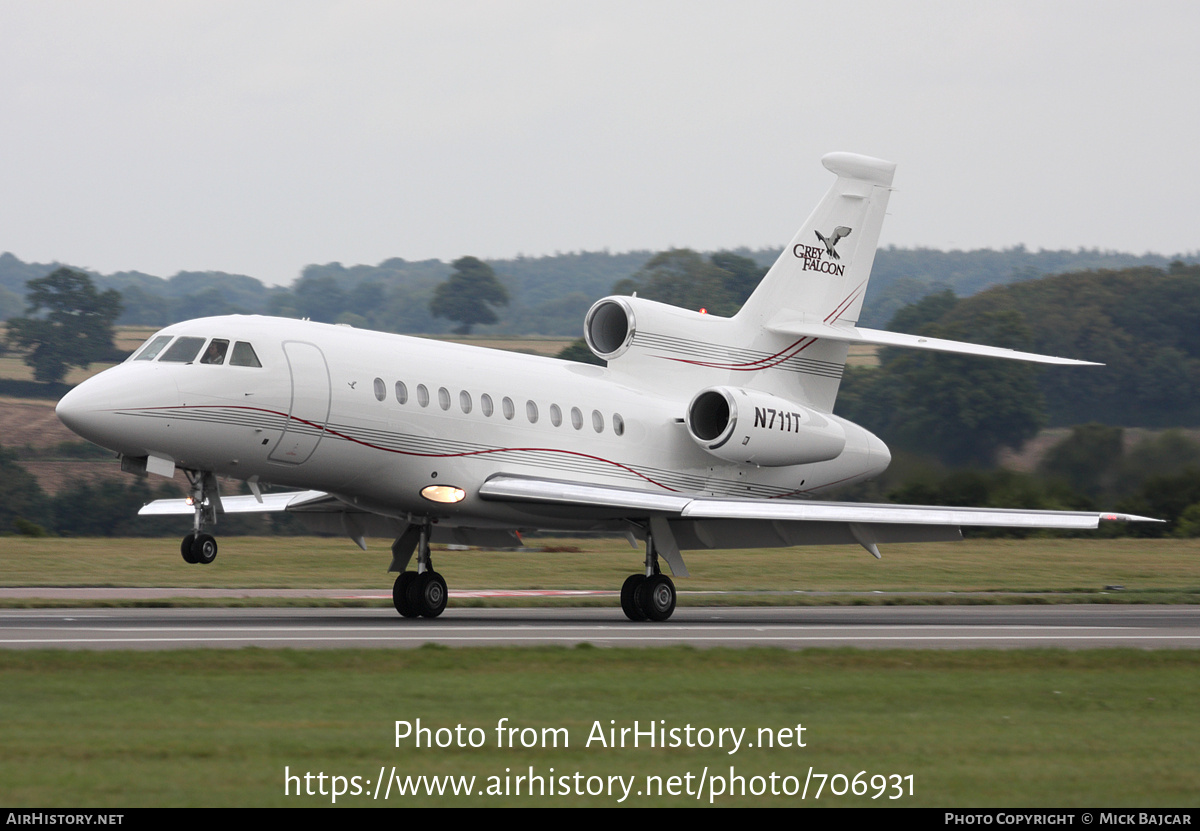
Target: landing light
[443,493]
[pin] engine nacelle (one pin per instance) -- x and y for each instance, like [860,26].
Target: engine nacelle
[609,327]
[612,322]
[750,427]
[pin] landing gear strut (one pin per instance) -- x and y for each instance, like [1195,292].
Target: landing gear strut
[420,593]
[205,497]
[649,596]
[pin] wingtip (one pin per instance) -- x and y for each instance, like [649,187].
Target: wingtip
[1111,517]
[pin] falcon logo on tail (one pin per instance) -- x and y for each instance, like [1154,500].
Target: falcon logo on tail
[831,241]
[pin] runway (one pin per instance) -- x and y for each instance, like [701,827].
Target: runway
[868,627]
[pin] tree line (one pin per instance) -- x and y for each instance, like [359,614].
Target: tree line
[1141,323]
[547,295]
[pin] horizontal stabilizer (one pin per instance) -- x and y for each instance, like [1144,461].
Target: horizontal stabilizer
[853,334]
[271,503]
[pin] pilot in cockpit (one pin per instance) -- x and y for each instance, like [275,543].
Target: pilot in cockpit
[215,354]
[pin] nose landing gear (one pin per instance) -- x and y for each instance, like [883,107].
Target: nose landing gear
[199,547]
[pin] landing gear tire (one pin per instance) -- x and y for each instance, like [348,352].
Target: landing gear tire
[629,604]
[400,594]
[655,597]
[185,548]
[427,593]
[204,549]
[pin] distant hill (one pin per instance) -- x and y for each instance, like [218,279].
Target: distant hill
[549,294]
[1142,323]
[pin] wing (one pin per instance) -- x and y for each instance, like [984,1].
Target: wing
[710,522]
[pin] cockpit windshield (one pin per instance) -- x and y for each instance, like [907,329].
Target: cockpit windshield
[152,348]
[183,351]
[243,355]
[186,349]
[215,354]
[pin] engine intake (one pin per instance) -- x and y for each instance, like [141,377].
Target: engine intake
[609,327]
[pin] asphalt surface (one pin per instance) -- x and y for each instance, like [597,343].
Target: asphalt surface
[870,627]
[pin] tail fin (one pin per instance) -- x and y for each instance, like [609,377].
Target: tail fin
[822,275]
[791,337]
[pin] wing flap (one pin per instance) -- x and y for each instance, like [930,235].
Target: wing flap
[554,492]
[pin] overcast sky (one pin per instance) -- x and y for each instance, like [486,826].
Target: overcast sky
[258,137]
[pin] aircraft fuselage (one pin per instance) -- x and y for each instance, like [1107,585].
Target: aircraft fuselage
[375,418]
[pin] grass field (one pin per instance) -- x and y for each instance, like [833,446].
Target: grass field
[1061,569]
[1020,728]
[971,729]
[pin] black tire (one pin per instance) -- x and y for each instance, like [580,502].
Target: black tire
[400,594]
[185,548]
[629,603]
[204,549]
[656,597]
[430,589]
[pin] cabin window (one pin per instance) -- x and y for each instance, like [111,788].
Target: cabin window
[576,418]
[215,354]
[531,412]
[464,401]
[243,355]
[183,351]
[401,393]
[618,424]
[597,421]
[152,348]
[380,389]
[443,398]
[510,409]
[422,395]
[485,404]
[555,415]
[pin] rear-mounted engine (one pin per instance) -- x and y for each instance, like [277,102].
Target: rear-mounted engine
[750,427]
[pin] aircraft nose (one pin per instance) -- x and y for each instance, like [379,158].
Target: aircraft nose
[93,409]
[74,409]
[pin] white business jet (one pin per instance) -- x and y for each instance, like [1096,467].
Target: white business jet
[702,432]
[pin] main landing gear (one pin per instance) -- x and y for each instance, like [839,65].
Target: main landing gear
[420,593]
[649,596]
[205,497]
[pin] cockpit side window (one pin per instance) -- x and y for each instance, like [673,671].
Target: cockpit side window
[183,351]
[152,348]
[243,355]
[215,354]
